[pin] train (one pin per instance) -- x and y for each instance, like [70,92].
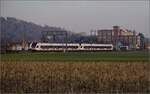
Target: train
[54,47]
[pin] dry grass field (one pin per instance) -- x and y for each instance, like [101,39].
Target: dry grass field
[74,77]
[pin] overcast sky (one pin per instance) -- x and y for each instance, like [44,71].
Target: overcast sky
[81,16]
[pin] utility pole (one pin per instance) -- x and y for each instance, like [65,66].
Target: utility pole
[93,35]
[23,38]
[134,40]
[91,39]
[66,40]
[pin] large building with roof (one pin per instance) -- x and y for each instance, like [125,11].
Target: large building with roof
[119,37]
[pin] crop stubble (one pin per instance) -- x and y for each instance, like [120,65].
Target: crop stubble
[74,77]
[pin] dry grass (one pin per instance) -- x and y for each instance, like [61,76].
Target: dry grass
[74,77]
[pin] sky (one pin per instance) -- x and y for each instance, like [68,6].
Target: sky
[81,16]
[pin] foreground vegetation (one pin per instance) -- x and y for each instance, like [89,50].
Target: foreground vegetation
[76,56]
[99,72]
[59,77]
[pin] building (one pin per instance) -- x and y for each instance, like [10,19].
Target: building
[104,36]
[17,46]
[119,37]
[54,35]
[147,43]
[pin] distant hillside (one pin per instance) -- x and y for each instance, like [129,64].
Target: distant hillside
[14,30]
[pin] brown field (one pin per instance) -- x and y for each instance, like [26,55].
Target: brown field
[74,77]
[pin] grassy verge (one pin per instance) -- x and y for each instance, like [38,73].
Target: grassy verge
[77,57]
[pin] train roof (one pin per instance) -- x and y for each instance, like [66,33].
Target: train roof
[96,44]
[73,44]
[59,44]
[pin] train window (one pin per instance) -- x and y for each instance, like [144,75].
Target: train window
[106,46]
[88,46]
[44,47]
[33,44]
[98,47]
[72,47]
[47,47]
[57,47]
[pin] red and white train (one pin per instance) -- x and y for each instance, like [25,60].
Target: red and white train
[70,47]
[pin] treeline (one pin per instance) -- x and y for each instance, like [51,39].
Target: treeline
[14,30]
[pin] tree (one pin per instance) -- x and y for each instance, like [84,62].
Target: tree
[142,42]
